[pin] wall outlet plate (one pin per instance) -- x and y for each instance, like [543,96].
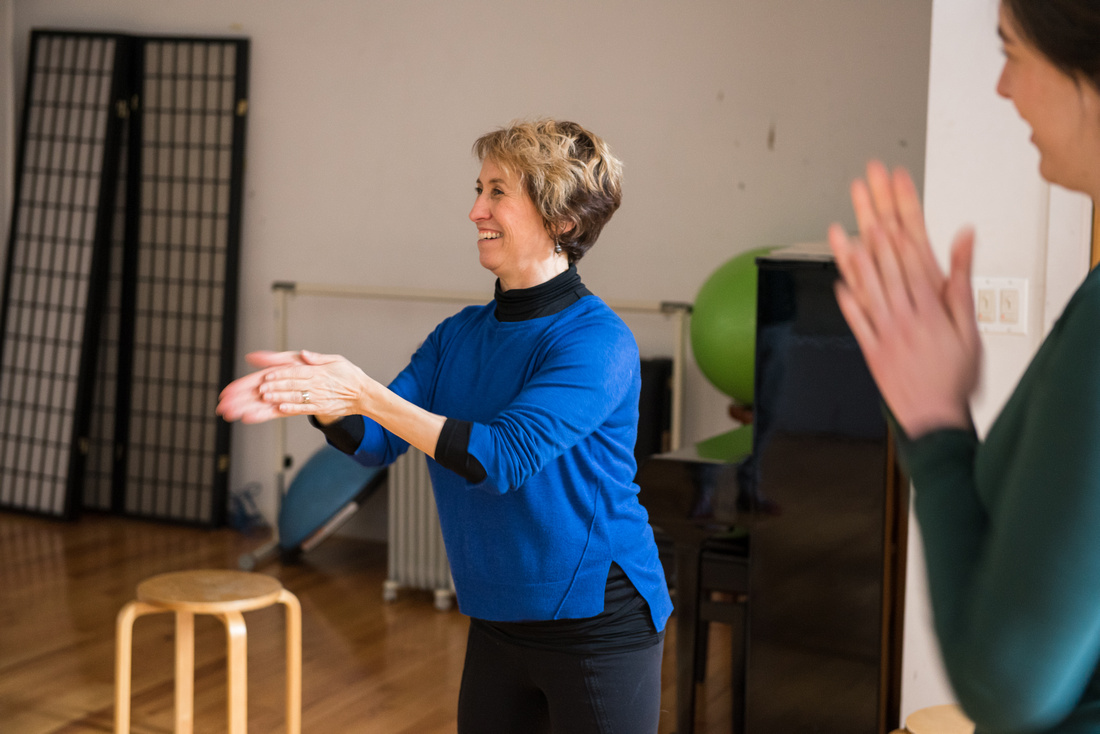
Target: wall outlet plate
[1000,305]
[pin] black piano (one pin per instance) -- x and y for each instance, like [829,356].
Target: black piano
[819,495]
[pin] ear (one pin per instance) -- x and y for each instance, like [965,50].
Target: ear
[562,227]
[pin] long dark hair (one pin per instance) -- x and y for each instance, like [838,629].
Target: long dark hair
[1065,31]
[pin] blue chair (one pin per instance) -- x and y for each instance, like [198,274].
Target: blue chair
[328,489]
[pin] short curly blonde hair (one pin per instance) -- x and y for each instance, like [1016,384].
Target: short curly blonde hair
[569,173]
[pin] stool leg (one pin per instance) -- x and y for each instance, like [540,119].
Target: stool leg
[124,649]
[185,672]
[237,646]
[293,662]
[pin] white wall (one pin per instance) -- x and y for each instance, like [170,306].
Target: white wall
[981,170]
[740,124]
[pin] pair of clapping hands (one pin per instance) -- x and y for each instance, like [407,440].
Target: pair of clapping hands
[915,324]
[294,383]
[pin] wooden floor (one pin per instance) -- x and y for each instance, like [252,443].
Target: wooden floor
[368,666]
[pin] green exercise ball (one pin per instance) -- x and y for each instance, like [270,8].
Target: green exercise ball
[723,326]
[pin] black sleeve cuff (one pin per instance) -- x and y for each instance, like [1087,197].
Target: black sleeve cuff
[345,434]
[452,451]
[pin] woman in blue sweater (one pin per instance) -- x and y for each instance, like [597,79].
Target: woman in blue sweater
[528,410]
[1010,524]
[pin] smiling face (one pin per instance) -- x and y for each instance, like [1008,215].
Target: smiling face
[1063,111]
[512,240]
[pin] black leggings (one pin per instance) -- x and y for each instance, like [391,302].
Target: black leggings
[513,689]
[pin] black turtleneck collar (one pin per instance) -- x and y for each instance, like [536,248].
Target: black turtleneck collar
[544,299]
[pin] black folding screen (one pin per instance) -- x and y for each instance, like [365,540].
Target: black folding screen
[143,337]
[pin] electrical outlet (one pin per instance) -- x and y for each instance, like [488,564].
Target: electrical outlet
[1000,305]
[987,305]
[1009,306]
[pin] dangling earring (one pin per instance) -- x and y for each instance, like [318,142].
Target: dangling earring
[557,249]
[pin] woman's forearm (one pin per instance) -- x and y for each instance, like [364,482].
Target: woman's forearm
[414,424]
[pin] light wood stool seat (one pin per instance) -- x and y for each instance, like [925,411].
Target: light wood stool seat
[945,719]
[223,594]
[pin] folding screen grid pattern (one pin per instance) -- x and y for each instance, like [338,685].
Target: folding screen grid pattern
[55,258]
[120,291]
[191,127]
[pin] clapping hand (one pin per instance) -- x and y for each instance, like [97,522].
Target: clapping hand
[293,383]
[915,325]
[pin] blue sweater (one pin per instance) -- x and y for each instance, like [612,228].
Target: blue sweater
[1011,532]
[554,407]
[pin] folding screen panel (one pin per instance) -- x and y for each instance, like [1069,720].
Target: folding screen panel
[55,267]
[189,129]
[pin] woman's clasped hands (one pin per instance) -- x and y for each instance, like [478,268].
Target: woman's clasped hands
[915,326]
[294,383]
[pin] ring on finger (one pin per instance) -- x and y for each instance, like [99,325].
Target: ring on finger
[305,396]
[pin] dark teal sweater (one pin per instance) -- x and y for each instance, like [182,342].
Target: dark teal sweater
[554,407]
[1011,529]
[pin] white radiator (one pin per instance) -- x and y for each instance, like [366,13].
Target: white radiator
[417,559]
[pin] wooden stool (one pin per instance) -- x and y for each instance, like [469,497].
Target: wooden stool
[224,594]
[946,719]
